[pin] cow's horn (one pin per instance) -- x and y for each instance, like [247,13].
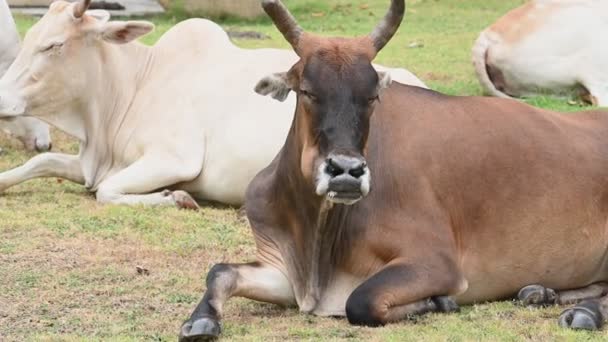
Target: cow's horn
[284,21]
[389,25]
[81,7]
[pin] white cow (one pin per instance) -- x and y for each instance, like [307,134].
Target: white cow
[33,133]
[547,46]
[181,115]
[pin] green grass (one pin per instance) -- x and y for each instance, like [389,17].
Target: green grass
[68,265]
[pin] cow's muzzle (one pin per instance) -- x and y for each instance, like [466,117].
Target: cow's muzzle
[11,104]
[343,179]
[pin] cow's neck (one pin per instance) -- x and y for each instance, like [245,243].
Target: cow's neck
[316,226]
[122,73]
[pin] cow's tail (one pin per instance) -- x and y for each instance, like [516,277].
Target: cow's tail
[480,57]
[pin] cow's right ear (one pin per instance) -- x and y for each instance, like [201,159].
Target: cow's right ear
[275,85]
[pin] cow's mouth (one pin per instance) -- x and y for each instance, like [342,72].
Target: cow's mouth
[344,197]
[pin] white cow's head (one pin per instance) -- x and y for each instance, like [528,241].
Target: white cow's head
[61,56]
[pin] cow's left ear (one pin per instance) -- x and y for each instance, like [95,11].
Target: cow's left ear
[122,32]
[384,80]
[275,85]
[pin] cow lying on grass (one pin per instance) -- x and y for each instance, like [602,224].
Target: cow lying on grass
[389,200]
[33,133]
[180,115]
[547,47]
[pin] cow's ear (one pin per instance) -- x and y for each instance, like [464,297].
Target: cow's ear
[275,85]
[122,32]
[384,80]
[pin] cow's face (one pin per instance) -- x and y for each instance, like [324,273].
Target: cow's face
[60,58]
[337,90]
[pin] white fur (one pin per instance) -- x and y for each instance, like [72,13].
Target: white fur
[552,48]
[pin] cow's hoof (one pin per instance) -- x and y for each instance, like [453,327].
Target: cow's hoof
[203,329]
[446,304]
[183,200]
[585,315]
[532,295]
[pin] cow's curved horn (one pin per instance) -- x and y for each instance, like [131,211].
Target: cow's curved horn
[284,21]
[389,25]
[81,7]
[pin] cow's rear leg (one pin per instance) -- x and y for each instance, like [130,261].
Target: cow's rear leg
[589,315]
[540,295]
[135,184]
[44,165]
[254,281]
[400,290]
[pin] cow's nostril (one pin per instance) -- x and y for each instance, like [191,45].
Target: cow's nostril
[357,172]
[332,169]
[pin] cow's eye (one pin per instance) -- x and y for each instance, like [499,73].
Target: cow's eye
[309,95]
[51,47]
[372,100]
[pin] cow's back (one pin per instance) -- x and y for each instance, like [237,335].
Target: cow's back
[241,130]
[501,177]
[9,38]
[549,46]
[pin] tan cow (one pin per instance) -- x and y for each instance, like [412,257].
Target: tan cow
[33,133]
[179,115]
[547,47]
[389,200]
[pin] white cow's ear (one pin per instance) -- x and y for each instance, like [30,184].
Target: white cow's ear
[122,32]
[384,80]
[275,85]
[102,16]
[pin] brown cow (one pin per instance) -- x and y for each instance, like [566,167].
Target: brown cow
[472,198]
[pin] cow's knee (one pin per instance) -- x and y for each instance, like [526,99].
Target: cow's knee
[106,196]
[362,308]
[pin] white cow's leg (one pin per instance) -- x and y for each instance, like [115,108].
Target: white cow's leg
[44,165]
[133,185]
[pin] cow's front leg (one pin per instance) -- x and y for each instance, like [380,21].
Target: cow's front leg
[254,281]
[44,165]
[403,289]
[135,184]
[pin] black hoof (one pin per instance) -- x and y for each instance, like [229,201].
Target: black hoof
[537,295]
[445,304]
[585,315]
[203,329]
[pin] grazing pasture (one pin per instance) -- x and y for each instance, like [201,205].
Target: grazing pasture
[74,270]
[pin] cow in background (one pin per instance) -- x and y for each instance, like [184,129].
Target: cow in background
[547,47]
[33,133]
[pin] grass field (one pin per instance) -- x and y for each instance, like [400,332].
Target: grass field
[68,266]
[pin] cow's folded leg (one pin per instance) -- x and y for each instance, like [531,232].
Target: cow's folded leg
[254,281]
[589,315]
[134,184]
[539,295]
[401,290]
[44,165]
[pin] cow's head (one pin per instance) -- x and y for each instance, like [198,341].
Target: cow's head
[337,90]
[60,57]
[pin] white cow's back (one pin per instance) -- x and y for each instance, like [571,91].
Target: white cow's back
[9,38]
